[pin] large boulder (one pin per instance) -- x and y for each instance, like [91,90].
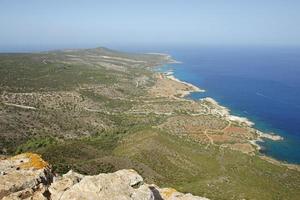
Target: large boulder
[23,176]
[121,185]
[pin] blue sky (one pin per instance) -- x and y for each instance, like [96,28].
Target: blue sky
[87,23]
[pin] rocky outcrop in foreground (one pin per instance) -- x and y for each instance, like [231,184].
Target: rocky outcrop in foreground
[28,176]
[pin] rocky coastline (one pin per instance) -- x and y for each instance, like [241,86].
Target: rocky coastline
[221,110]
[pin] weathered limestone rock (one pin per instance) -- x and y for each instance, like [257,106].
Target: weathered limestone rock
[61,184]
[23,175]
[172,194]
[121,185]
[27,194]
[27,176]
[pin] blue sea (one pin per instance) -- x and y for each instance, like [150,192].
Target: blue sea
[262,84]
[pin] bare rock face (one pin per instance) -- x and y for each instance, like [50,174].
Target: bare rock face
[122,185]
[172,194]
[64,183]
[27,176]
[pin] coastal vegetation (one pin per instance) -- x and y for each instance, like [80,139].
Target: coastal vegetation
[98,110]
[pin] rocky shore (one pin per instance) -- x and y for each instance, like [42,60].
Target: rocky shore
[215,108]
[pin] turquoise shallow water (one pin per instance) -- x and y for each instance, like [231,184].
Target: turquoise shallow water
[262,84]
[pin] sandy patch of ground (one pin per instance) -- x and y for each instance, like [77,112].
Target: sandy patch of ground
[168,86]
[243,147]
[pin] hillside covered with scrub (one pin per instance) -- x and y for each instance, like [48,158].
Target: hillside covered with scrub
[99,111]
